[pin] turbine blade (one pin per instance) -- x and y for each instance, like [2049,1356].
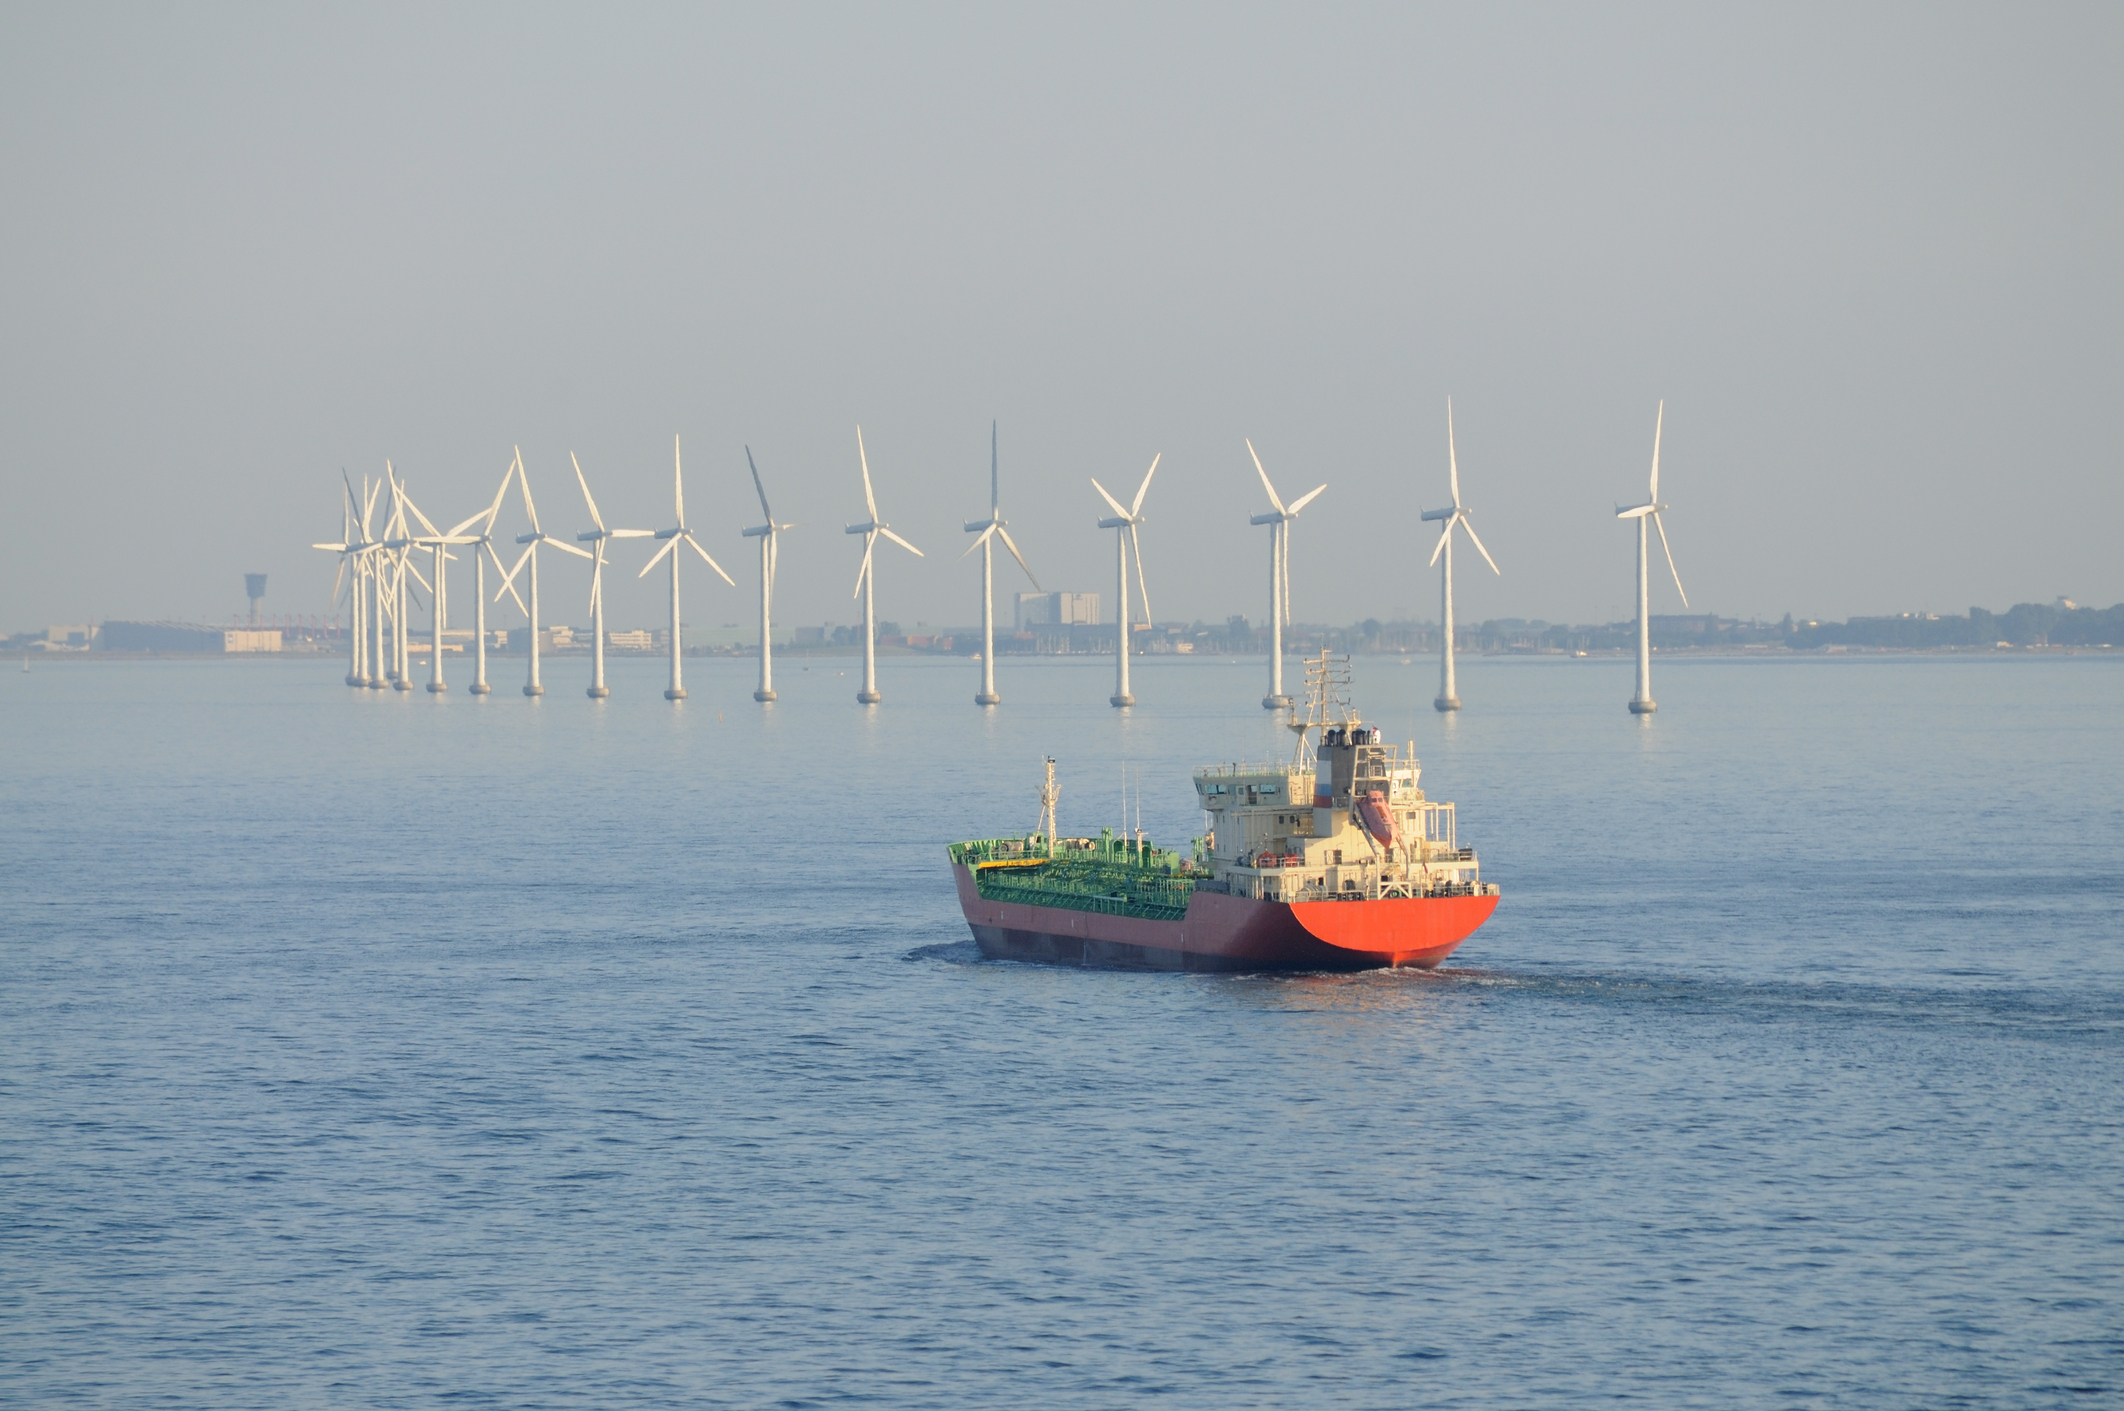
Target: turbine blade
[758,488]
[507,586]
[339,578]
[1144,488]
[509,578]
[862,572]
[567,548]
[678,484]
[901,542]
[463,525]
[1440,547]
[1137,544]
[1670,558]
[864,456]
[421,517]
[1264,477]
[1109,498]
[993,501]
[1020,558]
[349,483]
[495,509]
[709,561]
[1303,500]
[977,543]
[658,557]
[1452,456]
[1657,426]
[523,483]
[586,492]
[1469,525]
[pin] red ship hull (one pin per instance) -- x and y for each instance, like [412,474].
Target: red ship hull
[1221,932]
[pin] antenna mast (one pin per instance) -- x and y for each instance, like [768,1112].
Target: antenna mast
[1327,701]
[1048,797]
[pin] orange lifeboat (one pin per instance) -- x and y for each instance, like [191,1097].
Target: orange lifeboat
[1372,813]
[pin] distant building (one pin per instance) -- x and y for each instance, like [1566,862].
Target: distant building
[1056,610]
[250,639]
[186,637]
[630,641]
[70,634]
[159,637]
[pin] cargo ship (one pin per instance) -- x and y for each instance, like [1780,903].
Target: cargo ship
[1333,860]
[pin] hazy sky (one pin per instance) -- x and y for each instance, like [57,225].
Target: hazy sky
[1869,256]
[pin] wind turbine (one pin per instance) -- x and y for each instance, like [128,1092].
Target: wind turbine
[676,691]
[537,536]
[1124,524]
[989,529]
[596,539]
[766,534]
[438,544]
[1454,514]
[372,587]
[399,542]
[866,577]
[1279,522]
[364,590]
[485,550]
[351,551]
[1642,702]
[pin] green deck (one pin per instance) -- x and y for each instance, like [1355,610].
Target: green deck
[1110,876]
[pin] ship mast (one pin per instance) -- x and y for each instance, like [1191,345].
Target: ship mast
[1327,702]
[1048,797]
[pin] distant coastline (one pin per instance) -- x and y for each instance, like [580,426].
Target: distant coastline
[2062,627]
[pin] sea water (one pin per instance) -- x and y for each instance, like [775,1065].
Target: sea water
[361,1048]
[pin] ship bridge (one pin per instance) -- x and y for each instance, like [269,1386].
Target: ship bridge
[1352,823]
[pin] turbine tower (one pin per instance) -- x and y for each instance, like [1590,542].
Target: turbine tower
[1279,522]
[989,529]
[866,577]
[537,536]
[1454,514]
[1124,523]
[766,533]
[596,539]
[484,550]
[672,538]
[1642,702]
